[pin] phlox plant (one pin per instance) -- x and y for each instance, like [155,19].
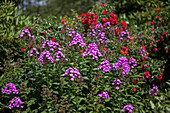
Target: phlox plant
[97,65]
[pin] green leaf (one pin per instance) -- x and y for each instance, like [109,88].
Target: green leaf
[152,105]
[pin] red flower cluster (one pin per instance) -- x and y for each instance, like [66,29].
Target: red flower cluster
[146,75]
[22,49]
[89,19]
[124,51]
[53,39]
[123,26]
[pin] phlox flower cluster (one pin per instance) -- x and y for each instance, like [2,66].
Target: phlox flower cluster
[117,83]
[128,108]
[105,65]
[59,55]
[25,31]
[93,33]
[92,50]
[77,40]
[10,87]
[124,34]
[104,95]
[32,50]
[132,61]
[72,73]
[153,90]
[51,45]
[101,37]
[45,57]
[15,102]
[122,64]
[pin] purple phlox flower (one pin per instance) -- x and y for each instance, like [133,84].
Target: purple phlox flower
[93,51]
[101,37]
[128,108]
[72,73]
[59,55]
[105,65]
[104,95]
[10,87]
[122,64]
[117,83]
[132,61]
[45,57]
[77,40]
[123,34]
[51,45]
[25,31]
[32,50]
[15,102]
[153,90]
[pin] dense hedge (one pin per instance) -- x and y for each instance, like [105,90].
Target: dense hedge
[93,62]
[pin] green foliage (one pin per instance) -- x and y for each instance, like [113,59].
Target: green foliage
[43,88]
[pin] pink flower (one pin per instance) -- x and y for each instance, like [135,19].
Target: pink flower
[102,5]
[64,20]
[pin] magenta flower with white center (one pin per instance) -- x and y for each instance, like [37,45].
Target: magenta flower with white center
[93,51]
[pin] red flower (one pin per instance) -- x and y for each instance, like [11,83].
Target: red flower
[101,46]
[146,58]
[96,16]
[104,13]
[147,23]
[152,23]
[60,42]
[105,49]
[135,82]
[82,21]
[30,45]
[83,51]
[29,28]
[89,23]
[86,19]
[102,5]
[111,14]
[132,38]
[160,78]
[22,49]
[155,49]
[83,14]
[53,39]
[89,27]
[164,33]
[134,89]
[95,23]
[88,15]
[162,37]
[146,75]
[157,16]
[158,9]
[44,33]
[64,20]
[47,36]
[92,14]
[104,20]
